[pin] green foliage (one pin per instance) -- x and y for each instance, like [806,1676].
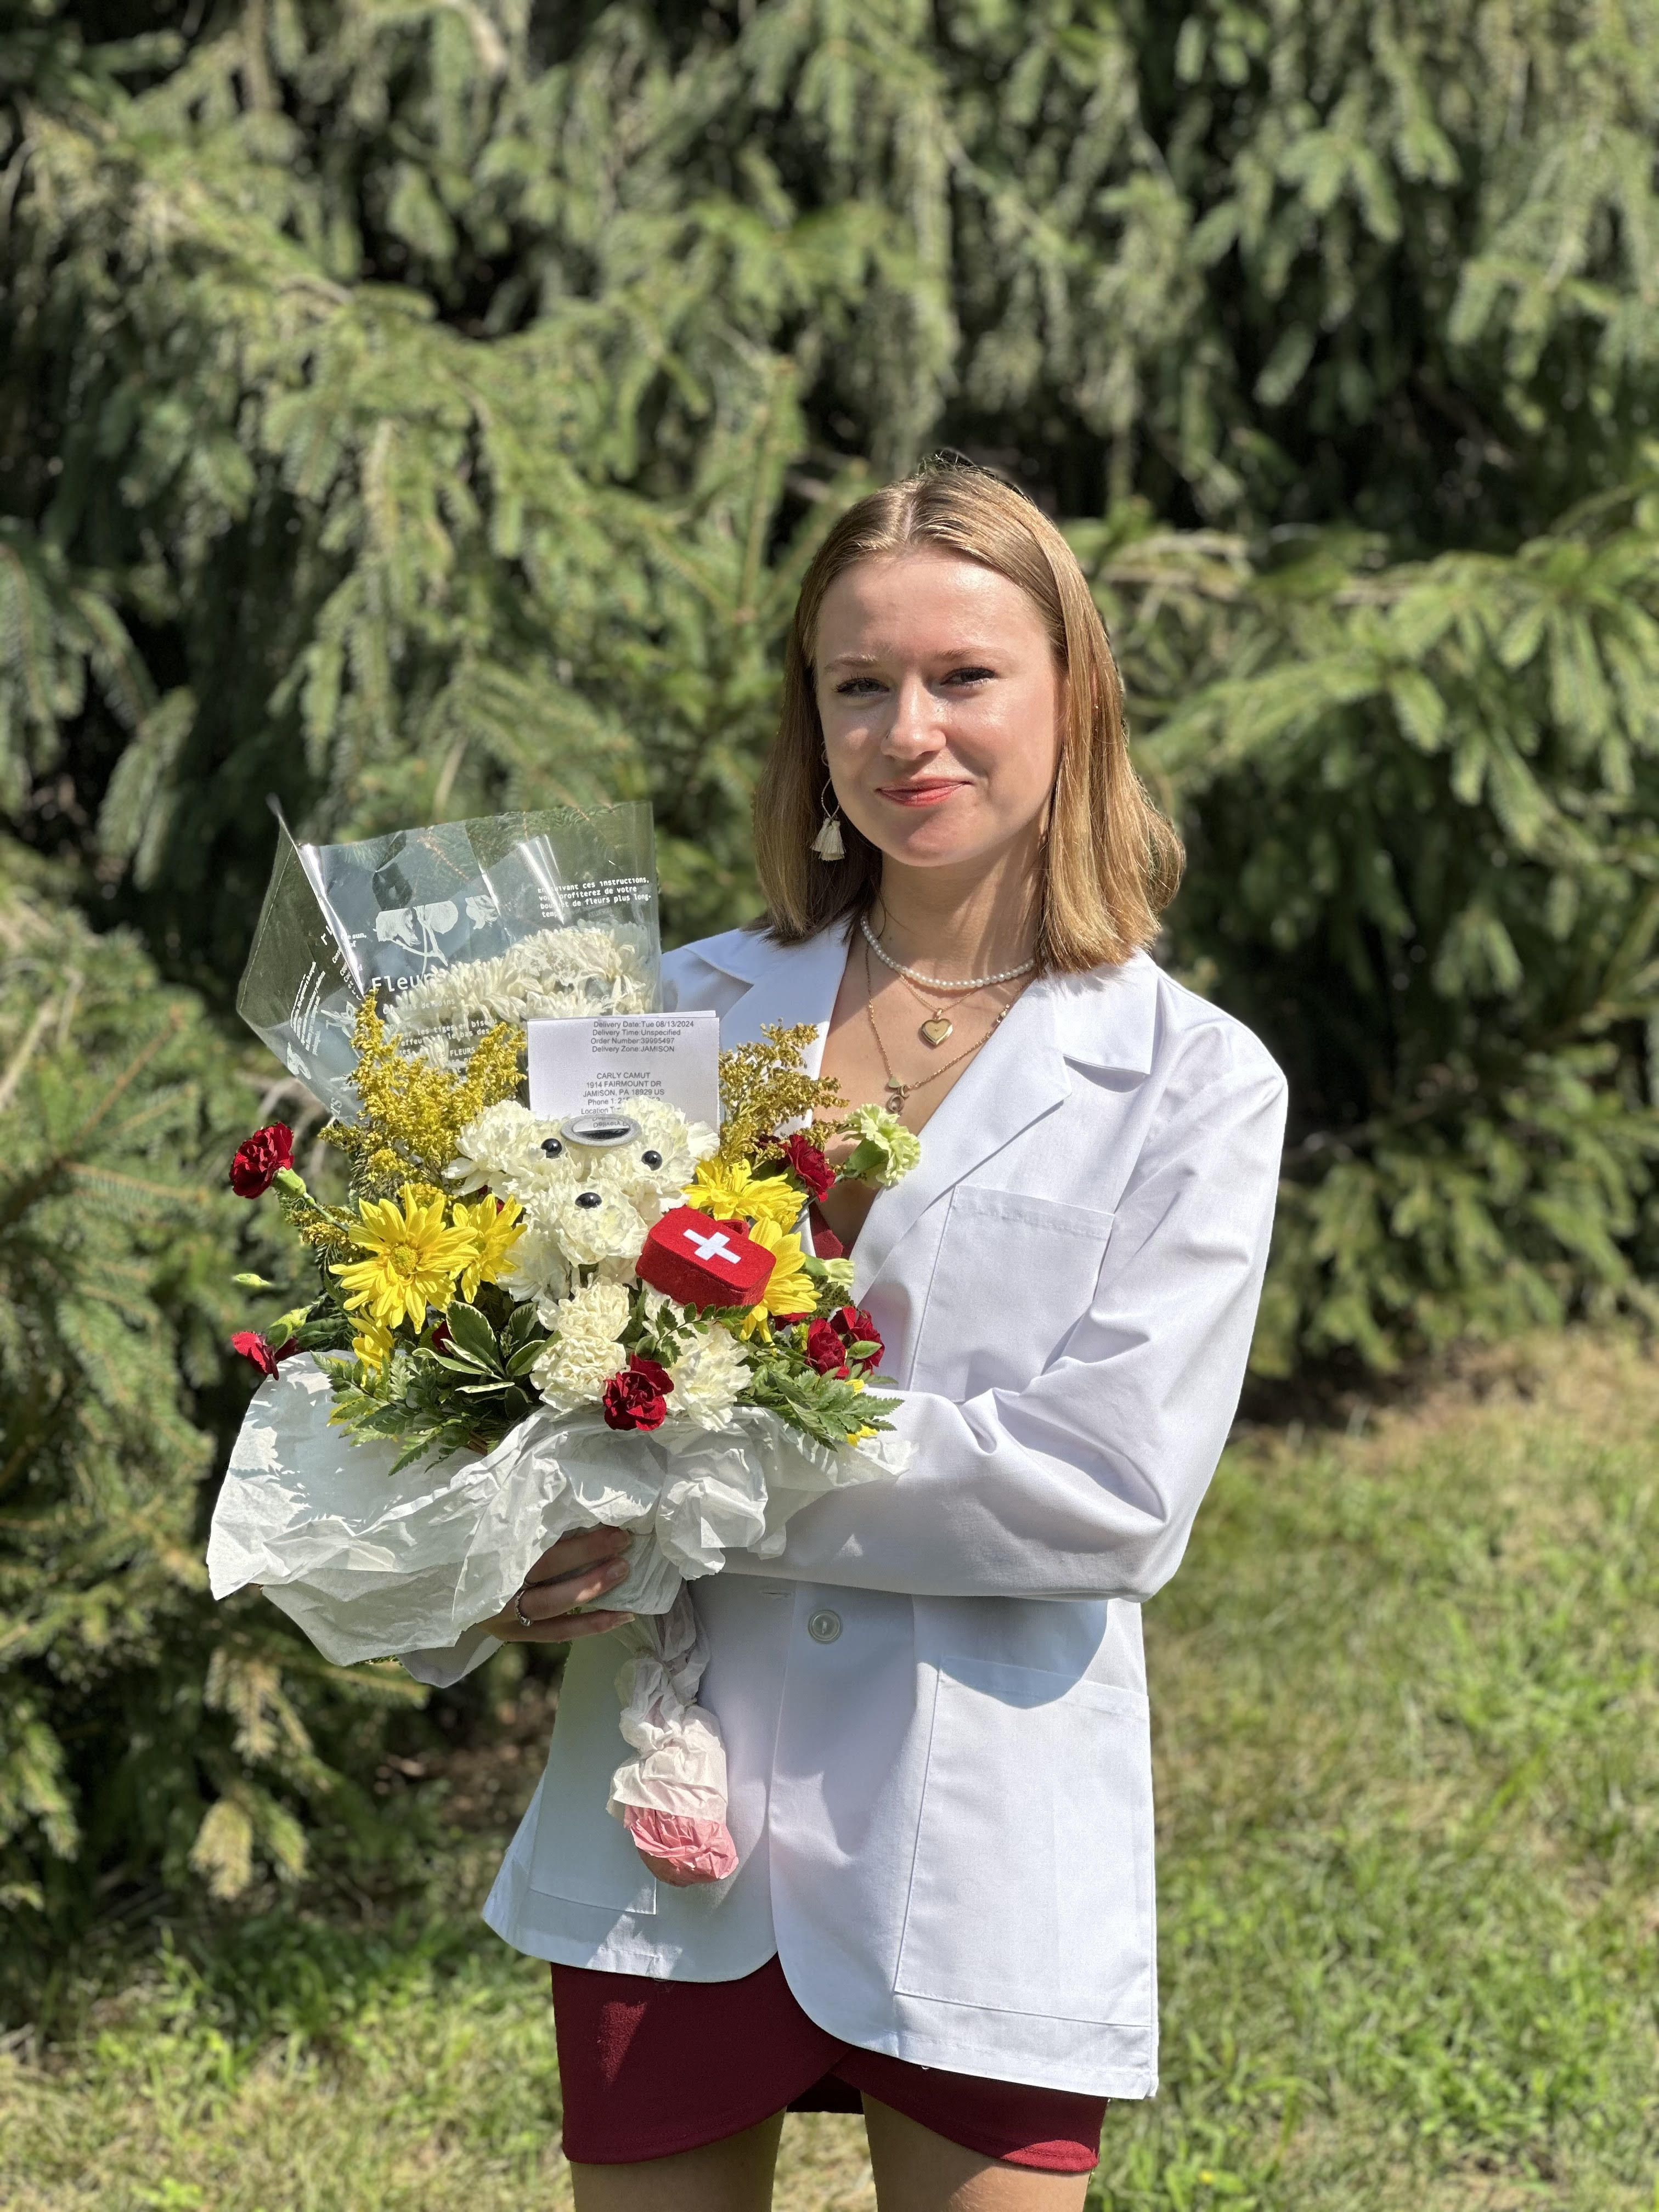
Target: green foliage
[413,1403]
[417,411]
[142,1729]
[825,1409]
[1421,800]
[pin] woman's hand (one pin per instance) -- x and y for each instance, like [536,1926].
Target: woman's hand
[578,1568]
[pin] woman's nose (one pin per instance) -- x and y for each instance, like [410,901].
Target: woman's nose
[914,727]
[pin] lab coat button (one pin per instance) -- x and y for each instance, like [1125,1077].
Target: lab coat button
[824,1627]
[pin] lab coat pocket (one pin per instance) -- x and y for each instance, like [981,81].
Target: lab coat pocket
[579,1853]
[587,1860]
[1013,1278]
[1031,1886]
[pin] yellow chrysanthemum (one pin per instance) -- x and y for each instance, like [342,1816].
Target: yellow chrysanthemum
[413,1261]
[372,1345]
[790,1289]
[732,1191]
[495,1230]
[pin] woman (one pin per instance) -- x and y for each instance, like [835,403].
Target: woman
[934,1701]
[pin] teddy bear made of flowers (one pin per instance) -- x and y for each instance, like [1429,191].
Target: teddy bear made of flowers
[540,1325]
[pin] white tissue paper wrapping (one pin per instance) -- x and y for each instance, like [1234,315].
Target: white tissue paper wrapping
[370,1565]
[679,1756]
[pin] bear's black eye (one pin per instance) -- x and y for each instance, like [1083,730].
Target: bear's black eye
[552,1147]
[589,1198]
[652,1159]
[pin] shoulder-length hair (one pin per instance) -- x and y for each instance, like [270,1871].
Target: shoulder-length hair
[1111,860]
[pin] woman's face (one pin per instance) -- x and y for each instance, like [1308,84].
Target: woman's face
[940,702]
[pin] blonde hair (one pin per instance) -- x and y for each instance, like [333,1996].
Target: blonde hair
[1111,860]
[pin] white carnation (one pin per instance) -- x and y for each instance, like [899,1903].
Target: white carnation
[536,1269]
[708,1376]
[499,1149]
[590,1217]
[679,1142]
[587,1350]
[579,1211]
[554,974]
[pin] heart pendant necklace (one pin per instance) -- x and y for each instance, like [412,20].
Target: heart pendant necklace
[939,1025]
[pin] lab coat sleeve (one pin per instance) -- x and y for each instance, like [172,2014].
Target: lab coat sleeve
[1085,1483]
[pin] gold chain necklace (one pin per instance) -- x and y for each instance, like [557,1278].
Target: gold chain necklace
[897,1092]
[939,1025]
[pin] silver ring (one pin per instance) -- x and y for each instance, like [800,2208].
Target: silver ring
[525,1621]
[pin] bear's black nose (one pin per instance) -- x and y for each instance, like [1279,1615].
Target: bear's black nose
[589,1198]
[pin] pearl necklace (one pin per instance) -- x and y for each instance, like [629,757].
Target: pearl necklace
[934,983]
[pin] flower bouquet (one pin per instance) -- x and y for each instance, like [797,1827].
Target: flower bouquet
[525,1325]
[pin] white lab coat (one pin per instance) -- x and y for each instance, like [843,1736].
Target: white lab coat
[935,1702]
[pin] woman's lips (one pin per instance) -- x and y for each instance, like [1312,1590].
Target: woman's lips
[920,794]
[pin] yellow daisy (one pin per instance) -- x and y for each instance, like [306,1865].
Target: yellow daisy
[495,1230]
[790,1289]
[732,1191]
[413,1259]
[372,1345]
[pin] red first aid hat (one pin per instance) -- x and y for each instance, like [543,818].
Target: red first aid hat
[698,1262]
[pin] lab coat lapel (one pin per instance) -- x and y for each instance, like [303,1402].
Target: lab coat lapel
[1020,1075]
[788,983]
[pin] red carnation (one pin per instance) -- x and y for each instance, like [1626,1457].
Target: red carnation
[853,1324]
[825,1349]
[638,1397]
[808,1165]
[261,1160]
[267,1358]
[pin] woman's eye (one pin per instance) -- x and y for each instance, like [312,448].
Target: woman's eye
[969,675]
[857,687]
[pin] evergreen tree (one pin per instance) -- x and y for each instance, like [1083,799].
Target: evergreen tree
[142,1729]
[1420,801]
[418,410]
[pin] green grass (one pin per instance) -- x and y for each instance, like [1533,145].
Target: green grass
[1408,1771]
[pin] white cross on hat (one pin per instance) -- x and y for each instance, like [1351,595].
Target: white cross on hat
[716,1245]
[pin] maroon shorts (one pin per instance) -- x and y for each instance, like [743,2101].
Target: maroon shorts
[649,2068]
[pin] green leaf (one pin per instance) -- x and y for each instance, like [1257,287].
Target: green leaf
[472,1337]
